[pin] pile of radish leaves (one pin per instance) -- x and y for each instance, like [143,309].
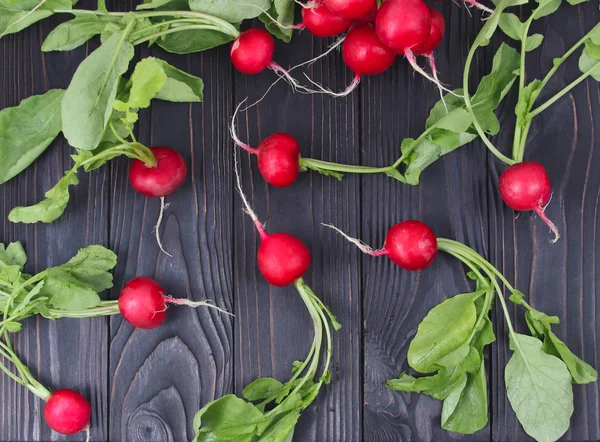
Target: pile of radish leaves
[449,349]
[270,409]
[97,111]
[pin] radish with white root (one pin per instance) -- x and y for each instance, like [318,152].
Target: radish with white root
[448,347]
[270,408]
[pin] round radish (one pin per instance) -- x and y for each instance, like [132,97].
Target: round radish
[67,412]
[436,34]
[350,9]
[142,303]
[279,159]
[252,51]
[411,245]
[167,175]
[369,17]
[403,24]
[364,53]
[282,258]
[525,187]
[321,22]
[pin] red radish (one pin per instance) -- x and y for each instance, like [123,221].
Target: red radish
[364,54]
[143,303]
[282,258]
[350,9]
[411,245]
[321,22]
[167,175]
[436,34]
[67,412]
[403,24]
[525,187]
[369,17]
[252,52]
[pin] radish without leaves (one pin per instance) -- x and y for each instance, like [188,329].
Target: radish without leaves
[403,24]
[67,412]
[282,258]
[143,303]
[350,9]
[252,52]
[525,187]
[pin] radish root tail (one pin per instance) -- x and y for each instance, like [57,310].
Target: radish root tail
[346,92]
[195,304]
[233,131]
[88,435]
[413,62]
[478,5]
[247,207]
[431,59]
[541,213]
[163,207]
[358,243]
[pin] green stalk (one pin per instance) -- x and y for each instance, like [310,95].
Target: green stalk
[306,163]
[174,30]
[105,308]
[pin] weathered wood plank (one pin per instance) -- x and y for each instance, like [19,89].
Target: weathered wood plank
[160,378]
[273,327]
[64,353]
[451,199]
[560,279]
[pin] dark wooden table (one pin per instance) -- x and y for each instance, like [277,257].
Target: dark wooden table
[146,385]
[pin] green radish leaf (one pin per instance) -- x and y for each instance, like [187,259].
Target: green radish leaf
[50,208]
[445,328]
[90,267]
[76,32]
[87,104]
[528,97]
[443,107]
[280,431]
[457,121]
[18,15]
[539,389]
[262,389]
[68,294]
[231,418]
[102,6]
[545,8]
[456,357]
[13,327]
[180,86]
[438,386]
[27,130]
[9,275]
[231,11]
[582,372]
[511,25]
[283,12]
[191,41]
[175,5]
[588,63]
[465,409]
[13,255]
[395,174]
[533,42]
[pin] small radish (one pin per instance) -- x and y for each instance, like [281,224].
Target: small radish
[525,187]
[165,177]
[252,52]
[67,412]
[403,24]
[410,245]
[278,156]
[143,303]
[364,54]
[350,9]
[321,22]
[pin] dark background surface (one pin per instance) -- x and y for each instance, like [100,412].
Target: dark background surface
[145,386]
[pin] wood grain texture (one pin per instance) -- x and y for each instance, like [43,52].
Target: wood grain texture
[272,325]
[161,378]
[560,279]
[65,353]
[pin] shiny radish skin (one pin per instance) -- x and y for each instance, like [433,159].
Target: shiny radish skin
[67,412]
[321,22]
[142,303]
[411,245]
[436,34]
[403,24]
[525,186]
[252,52]
[350,9]
[369,17]
[164,178]
[279,159]
[282,258]
[364,53]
